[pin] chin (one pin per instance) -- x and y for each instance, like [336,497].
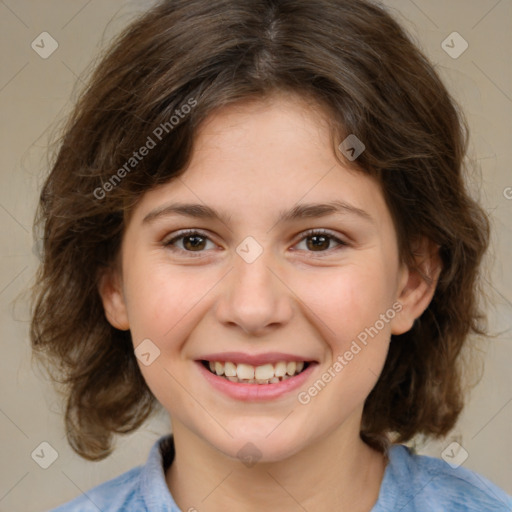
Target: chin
[259,443]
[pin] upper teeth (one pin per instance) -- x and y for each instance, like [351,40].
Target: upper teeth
[258,373]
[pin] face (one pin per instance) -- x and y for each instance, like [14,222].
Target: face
[292,303]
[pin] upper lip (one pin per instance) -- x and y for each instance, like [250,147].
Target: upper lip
[253,359]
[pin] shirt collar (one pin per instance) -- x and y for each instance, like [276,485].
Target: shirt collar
[153,486]
[157,497]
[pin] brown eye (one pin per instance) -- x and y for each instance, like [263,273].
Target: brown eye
[320,241]
[191,241]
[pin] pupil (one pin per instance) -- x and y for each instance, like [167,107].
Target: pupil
[315,242]
[196,241]
[320,239]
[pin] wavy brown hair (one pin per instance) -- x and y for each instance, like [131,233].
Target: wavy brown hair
[353,59]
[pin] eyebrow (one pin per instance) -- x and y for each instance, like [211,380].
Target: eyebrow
[301,211]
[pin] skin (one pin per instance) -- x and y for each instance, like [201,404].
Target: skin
[252,160]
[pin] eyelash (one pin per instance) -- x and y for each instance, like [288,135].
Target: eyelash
[307,234]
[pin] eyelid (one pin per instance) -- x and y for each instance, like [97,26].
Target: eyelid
[169,242]
[186,232]
[322,231]
[300,237]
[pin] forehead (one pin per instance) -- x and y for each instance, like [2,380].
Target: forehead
[260,157]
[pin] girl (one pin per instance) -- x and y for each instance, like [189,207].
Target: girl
[258,219]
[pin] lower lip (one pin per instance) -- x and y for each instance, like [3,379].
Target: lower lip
[255,392]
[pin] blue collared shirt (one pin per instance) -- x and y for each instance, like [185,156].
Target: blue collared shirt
[411,483]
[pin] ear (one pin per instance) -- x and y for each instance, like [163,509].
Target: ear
[417,285]
[114,303]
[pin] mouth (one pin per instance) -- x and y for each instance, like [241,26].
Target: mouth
[268,373]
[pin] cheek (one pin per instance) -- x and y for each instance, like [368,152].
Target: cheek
[353,310]
[160,298]
[348,300]
[354,304]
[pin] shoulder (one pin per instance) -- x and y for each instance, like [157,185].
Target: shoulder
[120,493]
[142,488]
[421,483]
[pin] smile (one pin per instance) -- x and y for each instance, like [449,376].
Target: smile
[268,373]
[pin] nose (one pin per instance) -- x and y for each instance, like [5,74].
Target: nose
[254,297]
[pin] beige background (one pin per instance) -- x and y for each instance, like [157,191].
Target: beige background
[35,94]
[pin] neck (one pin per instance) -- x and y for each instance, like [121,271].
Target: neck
[336,472]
